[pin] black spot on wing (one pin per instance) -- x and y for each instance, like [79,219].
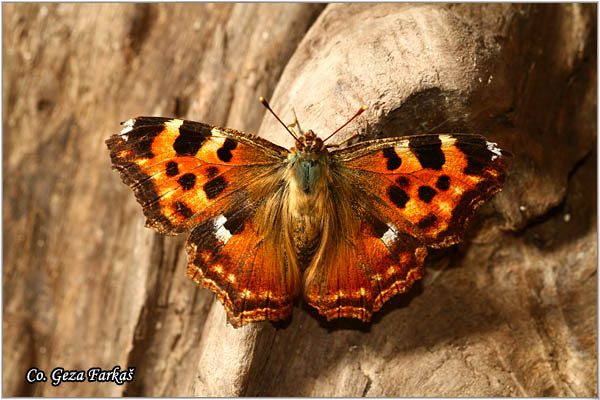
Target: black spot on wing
[393,161]
[426,193]
[204,238]
[187,181]
[190,139]
[379,227]
[215,187]
[211,172]
[427,221]
[224,153]
[443,182]
[182,209]
[476,151]
[428,150]
[172,168]
[144,121]
[398,196]
[236,221]
[142,138]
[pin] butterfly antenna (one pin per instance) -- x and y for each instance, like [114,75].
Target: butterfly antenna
[266,104]
[360,111]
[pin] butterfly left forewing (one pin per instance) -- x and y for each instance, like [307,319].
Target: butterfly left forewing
[183,172]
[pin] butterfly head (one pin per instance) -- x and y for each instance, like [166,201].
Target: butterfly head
[309,143]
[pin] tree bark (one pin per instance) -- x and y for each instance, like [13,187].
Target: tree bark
[510,312]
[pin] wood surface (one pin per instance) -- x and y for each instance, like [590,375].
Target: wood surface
[512,311]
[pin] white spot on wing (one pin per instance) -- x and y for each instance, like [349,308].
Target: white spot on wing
[403,144]
[218,269]
[493,147]
[390,235]
[447,140]
[445,206]
[128,128]
[221,232]
[176,123]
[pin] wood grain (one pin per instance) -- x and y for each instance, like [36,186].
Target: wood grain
[511,312]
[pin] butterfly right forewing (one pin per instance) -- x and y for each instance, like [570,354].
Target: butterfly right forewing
[427,185]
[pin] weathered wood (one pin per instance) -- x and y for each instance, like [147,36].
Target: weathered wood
[511,312]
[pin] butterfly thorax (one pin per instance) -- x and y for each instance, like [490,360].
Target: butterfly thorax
[307,161]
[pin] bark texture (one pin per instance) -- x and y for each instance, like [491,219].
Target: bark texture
[510,312]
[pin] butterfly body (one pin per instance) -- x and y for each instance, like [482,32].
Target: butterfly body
[347,229]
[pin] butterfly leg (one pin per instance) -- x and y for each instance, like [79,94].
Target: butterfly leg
[295,123]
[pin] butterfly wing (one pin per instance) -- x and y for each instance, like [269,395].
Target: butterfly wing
[183,172]
[428,185]
[363,270]
[403,194]
[245,265]
[187,174]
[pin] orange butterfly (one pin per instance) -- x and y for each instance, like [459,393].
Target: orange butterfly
[347,228]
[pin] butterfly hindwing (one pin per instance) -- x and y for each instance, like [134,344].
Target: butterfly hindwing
[243,265]
[181,171]
[364,270]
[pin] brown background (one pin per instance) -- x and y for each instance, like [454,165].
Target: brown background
[510,312]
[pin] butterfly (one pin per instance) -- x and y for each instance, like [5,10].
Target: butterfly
[345,227]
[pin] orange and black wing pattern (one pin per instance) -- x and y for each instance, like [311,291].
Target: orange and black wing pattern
[428,185]
[406,194]
[368,266]
[187,174]
[183,172]
[244,266]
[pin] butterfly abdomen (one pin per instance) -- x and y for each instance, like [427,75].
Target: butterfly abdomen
[306,234]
